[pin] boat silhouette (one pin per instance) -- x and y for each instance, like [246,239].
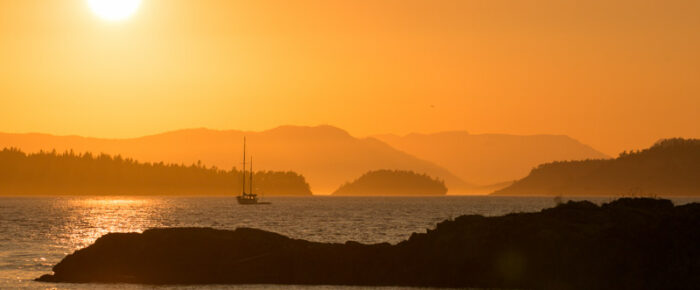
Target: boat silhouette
[248,198]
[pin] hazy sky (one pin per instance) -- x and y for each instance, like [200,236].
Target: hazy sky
[613,74]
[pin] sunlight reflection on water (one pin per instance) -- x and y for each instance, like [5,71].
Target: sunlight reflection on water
[102,215]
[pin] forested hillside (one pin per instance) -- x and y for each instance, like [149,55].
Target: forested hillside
[102,174]
[670,167]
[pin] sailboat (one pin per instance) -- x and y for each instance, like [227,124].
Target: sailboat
[249,197]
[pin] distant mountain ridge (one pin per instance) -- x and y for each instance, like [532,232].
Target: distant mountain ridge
[670,167]
[490,158]
[326,156]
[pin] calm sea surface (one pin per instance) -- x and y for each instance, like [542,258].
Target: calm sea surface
[37,232]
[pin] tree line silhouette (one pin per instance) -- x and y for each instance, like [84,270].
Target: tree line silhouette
[669,167]
[103,174]
[393,182]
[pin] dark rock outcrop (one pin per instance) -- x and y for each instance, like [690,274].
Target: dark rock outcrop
[624,244]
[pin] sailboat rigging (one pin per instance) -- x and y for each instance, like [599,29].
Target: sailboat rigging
[249,197]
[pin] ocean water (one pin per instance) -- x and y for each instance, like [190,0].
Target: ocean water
[37,232]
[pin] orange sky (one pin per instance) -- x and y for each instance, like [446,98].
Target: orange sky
[613,75]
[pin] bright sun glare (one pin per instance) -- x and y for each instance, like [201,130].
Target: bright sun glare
[114,10]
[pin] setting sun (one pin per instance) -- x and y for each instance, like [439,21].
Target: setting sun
[114,10]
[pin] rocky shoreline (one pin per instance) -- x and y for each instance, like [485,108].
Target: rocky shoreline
[630,243]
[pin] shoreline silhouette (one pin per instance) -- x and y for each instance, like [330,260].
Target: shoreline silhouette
[629,243]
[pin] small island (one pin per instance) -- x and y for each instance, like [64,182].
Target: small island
[638,243]
[393,182]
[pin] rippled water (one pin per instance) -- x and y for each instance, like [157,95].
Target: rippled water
[37,232]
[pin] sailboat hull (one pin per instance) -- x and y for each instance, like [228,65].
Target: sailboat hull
[246,200]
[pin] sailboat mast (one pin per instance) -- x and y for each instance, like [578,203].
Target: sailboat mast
[243,192]
[251,175]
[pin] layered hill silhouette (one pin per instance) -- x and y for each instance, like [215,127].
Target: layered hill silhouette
[393,182]
[670,167]
[326,156]
[52,173]
[490,158]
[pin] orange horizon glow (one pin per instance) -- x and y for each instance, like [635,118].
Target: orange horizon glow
[616,75]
